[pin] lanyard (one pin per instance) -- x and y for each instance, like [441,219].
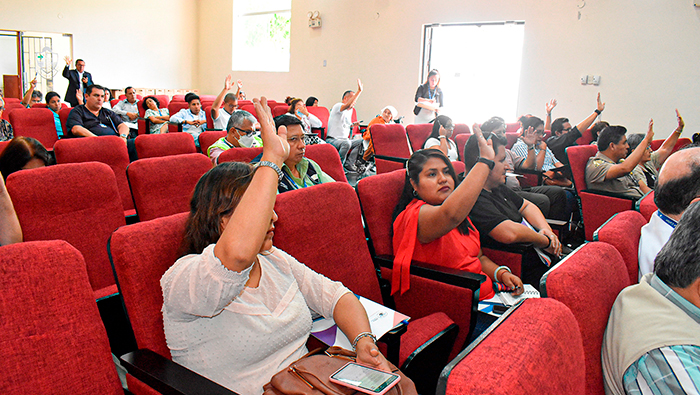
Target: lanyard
[671,222]
[303,179]
[431,94]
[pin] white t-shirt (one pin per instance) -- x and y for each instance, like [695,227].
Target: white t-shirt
[222,121]
[452,153]
[339,122]
[654,236]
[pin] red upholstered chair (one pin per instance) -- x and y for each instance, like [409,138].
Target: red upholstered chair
[163,100]
[140,254]
[342,254]
[178,98]
[279,110]
[682,142]
[378,196]
[327,157]
[141,122]
[38,124]
[109,150]
[623,231]
[40,105]
[13,100]
[209,137]
[163,186]
[3,145]
[596,206]
[250,108]
[459,166]
[173,108]
[75,202]
[391,146]
[322,114]
[587,281]
[113,102]
[646,205]
[540,330]
[154,145]
[63,114]
[418,134]
[512,127]
[244,102]
[239,154]
[586,137]
[461,141]
[53,339]
[210,120]
[461,128]
[512,139]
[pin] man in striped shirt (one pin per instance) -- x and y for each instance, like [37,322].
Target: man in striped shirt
[652,341]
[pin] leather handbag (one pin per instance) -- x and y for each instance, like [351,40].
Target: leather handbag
[310,375]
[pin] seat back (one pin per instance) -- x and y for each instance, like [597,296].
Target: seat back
[250,108]
[210,120]
[279,110]
[682,142]
[586,137]
[63,115]
[338,248]
[646,205]
[239,154]
[379,195]
[209,137]
[389,141]
[109,150]
[321,113]
[461,141]
[3,145]
[173,108]
[328,158]
[460,128]
[512,138]
[512,127]
[623,231]
[418,134]
[155,145]
[541,330]
[163,186]
[163,100]
[587,281]
[141,253]
[578,158]
[38,124]
[52,336]
[82,207]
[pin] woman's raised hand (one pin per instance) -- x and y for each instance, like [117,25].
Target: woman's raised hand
[485,147]
[275,145]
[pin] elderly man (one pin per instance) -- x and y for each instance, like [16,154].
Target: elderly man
[652,342]
[299,171]
[340,126]
[221,114]
[678,187]
[607,172]
[128,109]
[78,80]
[90,119]
[241,133]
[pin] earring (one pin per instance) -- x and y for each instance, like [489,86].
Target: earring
[415,194]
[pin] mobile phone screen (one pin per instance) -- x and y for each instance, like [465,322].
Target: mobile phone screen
[368,379]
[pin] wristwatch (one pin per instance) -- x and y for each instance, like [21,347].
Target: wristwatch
[273,166]
[529,147]
[487,162]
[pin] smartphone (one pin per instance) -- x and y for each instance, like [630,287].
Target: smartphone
[365,379]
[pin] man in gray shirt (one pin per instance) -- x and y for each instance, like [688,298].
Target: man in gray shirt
[128,109]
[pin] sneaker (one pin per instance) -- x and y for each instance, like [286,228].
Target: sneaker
[350,167]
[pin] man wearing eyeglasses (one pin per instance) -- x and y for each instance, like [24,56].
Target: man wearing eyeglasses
[241,133]
[563,135]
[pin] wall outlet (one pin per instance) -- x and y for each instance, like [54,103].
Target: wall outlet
[584,79]
[594,79]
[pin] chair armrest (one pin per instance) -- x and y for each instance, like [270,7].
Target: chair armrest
[166,376]
[391,158]
[442,274]
[515,248]
[610,194]
[320,131]
[638,203]
[392,339]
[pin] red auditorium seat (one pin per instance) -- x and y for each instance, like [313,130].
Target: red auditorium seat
[53,339]
[682,142]
[141,253]
[391,146]
[327,157]
[250,108]
[163,100]
[461,128]
[587,281]
[461,141]
[322,114]
[154,145]
[596,206]
[43,105]
[63,114]
[209,137]
[38,123]
[512,127]
[418,134]
[540,330]
[343,256]
[75,202]
[3,144]
[10,109]
[239,154]
[173,108]
[646,205]
[210,121]
[623,231]
[378,196]
[163,185]
[586,137]
[109,150]
[512,138]
[279,110]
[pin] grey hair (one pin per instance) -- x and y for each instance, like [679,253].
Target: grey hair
[237,118]
[678,262]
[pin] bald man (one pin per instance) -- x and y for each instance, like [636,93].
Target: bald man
[677,187]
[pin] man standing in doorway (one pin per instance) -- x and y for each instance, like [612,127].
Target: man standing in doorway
[78,79]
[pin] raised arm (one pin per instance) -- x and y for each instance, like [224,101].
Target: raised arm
[220,99]
[28,96]
[620,169]
[667,147]
[549,107]
[437,221]
[586,123]
[66,70]
[351,102]
[238,245]
[10,230]
[444,145]
[530,139]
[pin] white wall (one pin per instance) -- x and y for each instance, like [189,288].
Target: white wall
[141,43]
[647,52]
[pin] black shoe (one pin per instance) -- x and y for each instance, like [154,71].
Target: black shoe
[351,167]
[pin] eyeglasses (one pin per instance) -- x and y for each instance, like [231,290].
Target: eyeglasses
[246,132]
[566,130]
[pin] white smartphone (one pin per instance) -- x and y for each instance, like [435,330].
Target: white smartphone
[365,379]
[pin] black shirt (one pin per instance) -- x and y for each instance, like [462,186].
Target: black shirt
[558,144]
[492,208]
[424,92]
[105,124]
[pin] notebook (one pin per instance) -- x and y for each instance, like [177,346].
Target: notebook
[509,299]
